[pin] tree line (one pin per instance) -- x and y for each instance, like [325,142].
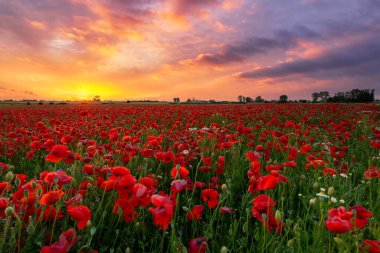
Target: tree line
[353,96]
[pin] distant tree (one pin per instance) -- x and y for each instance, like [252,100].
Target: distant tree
[212,101]
[283,98]
[354,96]
[188,100]
[241,99]
[248,100]
[259,99]
[324,95]
[315,96]
[176,100]
[96,98]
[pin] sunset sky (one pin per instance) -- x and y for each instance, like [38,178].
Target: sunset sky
[207,49]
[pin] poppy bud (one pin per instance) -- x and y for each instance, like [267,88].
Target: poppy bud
[9,176]
[290,243]
[224,249]
[30,229]
[34,184]
[330,191]
[315,185]
[26,193]
[185,208]
[224,187]
[128,250]
[9,211]
[278,216]
[338,240]
[312,201]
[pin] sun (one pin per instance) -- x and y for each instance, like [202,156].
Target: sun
[83,93]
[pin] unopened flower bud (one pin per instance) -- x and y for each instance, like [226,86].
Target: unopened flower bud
[313,201]
[224,187]
[224,249]
[330,191]
[9,211]
[338,240]
[278,216]
[9,176]
[30,229]
[290,243]
[185,208]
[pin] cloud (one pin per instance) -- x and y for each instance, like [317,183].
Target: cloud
[192,7]
[360,58]
[243,50]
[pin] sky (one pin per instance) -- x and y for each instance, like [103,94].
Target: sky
[203,49]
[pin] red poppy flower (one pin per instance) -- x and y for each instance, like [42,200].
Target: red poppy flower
[163,213]
[82,214]
[66,241]
[128,208]
[67,139]
[373,172]
[198,245]
[305,149]
[4,186]
[182,172]
[329,172]
[361,216]
[339,220]
[51,197]
[196,213]
[57,153]
[262,204]
[371,246]
[59,176]
[4,203]
[178,185]
[210,196]
[267,182]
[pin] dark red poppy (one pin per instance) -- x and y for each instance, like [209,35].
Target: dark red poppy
[210,196]
[60,177]
[305,149]
[198,245]
[57,153]
[195,213]
[163,213]
[361,216]
[51,197]
[371,246]
[82,214]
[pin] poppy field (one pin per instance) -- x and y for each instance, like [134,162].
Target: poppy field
[190,178]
